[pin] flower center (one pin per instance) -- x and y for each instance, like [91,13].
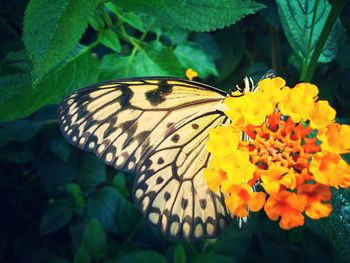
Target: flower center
[282,141]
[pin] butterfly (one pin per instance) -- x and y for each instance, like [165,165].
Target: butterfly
[156,127]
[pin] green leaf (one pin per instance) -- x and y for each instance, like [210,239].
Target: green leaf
[17,153]
[231,51]
[20,130]
[18,99]
[134,20]
[57,215]
[60,147]
[82,255]
[234,242]
[297,16]
[337,226]
[103,205]
[97,22]
[190,56]
[52,29]
[130,18]
[54,172]
[177,35]
[154,60]
[110,39]
[199,15]
[14,76]
[75,191]
[142,256]
[343,57]
[114,66]
[119,182]
[180,255]
[91,172]
[95,239]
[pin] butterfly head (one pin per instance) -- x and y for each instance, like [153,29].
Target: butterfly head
[247,84]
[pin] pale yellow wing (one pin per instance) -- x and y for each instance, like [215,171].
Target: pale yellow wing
[156,127]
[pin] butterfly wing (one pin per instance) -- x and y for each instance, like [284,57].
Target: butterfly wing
[171,190]
[156,127]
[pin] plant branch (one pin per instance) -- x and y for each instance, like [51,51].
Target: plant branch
[308,48]
[337,7]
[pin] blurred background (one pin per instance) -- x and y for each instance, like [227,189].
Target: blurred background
[59,204]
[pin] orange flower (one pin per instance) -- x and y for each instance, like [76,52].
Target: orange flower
[330,169]
[277,176]
[287,206]
[290,147]
[242,199]
[315,195]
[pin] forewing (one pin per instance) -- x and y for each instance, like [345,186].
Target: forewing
[158,128]
[122,120]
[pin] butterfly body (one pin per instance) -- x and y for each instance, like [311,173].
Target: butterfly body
[158,128]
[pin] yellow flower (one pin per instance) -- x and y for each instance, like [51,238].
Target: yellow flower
[256,108]
[235,108]
[298,102]
[271,89]
[330,169]
[190,74]
[322,114]
[237,167]
[335,138]
[223,140]
[213,175]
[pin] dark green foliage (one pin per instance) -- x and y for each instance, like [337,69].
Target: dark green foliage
[52,29]
[61,205]
[209,15]
[298,25]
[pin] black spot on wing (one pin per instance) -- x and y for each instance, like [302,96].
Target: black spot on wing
[184,203]
[167,196]
[160,180]
[126,96]
[195,126]
[157,96]
[203,203]
[175,138]
[160,160]
[129,127]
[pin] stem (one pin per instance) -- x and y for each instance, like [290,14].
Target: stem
[105,16]
[337,7]
[307,55]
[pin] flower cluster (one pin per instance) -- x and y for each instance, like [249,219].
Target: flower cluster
[281,153]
